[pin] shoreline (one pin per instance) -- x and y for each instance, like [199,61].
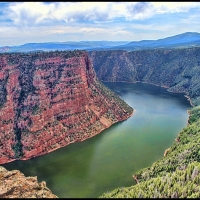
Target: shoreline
[162,86]
[24,159]
[185,95]
[108,126]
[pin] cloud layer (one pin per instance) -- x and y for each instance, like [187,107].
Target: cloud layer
[37,12]
[92,20]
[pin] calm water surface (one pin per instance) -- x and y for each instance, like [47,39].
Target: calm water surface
[109,160]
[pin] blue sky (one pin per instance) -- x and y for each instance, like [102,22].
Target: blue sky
[26,22]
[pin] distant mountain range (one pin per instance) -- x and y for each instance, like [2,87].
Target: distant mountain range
[182,40]
[188,39]
[48,46]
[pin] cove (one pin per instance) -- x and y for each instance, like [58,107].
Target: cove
[109,159]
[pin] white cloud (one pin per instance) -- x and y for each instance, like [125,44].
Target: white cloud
[17,36]
[173,7]
[152,27]
[139,11]
[31,13]
[24,22]
[28,13]
[192,19]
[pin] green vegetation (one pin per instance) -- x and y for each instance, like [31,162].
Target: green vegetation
[194,114]
[177,174]
[18,149]
[176,69]
[36,110]
[27,64]
[113,97]
[180,183]
[3,91]
[32,57]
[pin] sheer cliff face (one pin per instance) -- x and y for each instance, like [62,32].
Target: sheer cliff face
[51,99]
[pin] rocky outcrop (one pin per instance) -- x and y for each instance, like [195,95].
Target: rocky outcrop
[13,184]
[49,100]
[176,69]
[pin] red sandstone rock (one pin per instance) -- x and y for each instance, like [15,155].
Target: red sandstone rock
[52,100]
[15,185]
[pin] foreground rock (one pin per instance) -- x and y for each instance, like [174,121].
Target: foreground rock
[13,184]
[49,100]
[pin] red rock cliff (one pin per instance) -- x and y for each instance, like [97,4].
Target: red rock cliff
[49,100]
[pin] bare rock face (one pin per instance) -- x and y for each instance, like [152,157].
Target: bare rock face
[49,100]
[13,184]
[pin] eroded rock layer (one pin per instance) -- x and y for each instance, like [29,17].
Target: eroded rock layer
[13,184]
[49,100]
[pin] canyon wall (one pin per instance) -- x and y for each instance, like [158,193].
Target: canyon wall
[51,99]
[176,69]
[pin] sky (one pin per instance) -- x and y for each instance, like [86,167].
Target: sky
[27,22]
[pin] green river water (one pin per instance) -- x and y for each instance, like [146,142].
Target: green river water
[108,160]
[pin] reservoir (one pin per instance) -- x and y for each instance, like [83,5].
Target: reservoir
[109,159]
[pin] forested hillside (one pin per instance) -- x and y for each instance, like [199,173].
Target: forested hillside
[176,175]
[176,69]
